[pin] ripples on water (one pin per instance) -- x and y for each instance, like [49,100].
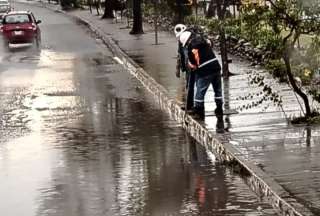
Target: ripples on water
[116,153]
[142,163]
[133,160]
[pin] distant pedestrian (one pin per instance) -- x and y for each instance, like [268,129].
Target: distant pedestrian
[182,66]
[206,67]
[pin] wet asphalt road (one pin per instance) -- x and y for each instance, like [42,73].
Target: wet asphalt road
[79,136]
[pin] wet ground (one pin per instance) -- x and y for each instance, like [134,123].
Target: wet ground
[80,136]
[261,131]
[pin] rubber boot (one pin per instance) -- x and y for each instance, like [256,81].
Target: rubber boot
[198,113]
[219,110]
[220,124]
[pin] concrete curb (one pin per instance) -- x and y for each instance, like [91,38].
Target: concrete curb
[257,180]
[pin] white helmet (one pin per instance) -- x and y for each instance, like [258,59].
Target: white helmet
[178,29]
[184,37]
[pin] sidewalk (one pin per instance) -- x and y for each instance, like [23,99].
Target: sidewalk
[285,153]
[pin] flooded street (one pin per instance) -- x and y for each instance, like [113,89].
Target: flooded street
[80,137]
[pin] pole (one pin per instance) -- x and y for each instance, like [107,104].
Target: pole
[156,23]
[127,14]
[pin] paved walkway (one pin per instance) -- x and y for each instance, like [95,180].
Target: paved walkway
[288,154]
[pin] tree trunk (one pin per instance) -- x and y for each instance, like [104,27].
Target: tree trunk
[211,10]
[224,53]
[179,16]
[195,3]
[97,4]
[108,9]
[137,18]
[90,5]
[286,58]
[223,43]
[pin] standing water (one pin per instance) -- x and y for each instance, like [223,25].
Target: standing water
[103,147]
[80,137]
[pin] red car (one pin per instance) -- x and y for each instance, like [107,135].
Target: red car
[20,27]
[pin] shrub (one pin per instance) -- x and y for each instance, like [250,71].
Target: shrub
[278,69]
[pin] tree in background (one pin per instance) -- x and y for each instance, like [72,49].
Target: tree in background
[109,6]
[221,6]
[283,23]
[89,3]
[211,9]
[137,27]
[97,5]
[68,4]
[181,9]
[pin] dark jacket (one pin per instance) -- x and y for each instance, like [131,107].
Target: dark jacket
[199,52]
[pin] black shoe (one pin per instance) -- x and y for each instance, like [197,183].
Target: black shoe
[197,113]
[191,111]
[188,109]
[220,124]
[198,116]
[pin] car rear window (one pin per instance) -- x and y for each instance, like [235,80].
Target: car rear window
[4,2]
[17,18]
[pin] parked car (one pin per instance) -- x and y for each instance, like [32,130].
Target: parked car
[4,7]
[20,27]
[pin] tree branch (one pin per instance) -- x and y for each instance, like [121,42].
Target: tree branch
[288,36]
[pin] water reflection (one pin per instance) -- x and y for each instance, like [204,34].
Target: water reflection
[100,145]
[136,161]
[308,136]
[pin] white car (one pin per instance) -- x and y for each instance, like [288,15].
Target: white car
[5,7]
